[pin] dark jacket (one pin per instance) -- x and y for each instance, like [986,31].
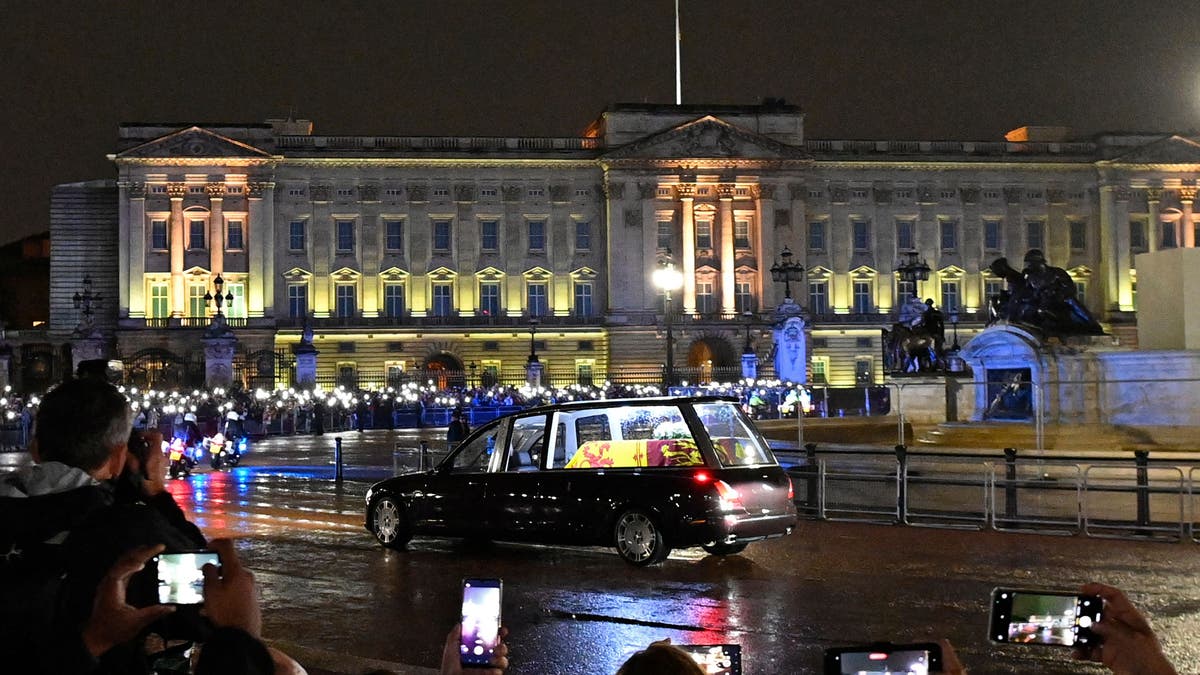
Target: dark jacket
[62,531]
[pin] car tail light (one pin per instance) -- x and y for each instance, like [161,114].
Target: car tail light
[728,497]
[701,477]
[791,490]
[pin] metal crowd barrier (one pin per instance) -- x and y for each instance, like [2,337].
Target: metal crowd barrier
[410,459]
[1139,499]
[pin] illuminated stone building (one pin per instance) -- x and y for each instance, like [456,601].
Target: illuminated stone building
[412,254]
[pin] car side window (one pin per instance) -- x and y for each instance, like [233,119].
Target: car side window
[474,457]
[527,444]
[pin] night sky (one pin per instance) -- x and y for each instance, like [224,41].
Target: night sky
[72,71]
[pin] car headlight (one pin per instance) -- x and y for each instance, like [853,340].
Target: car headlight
[370,491]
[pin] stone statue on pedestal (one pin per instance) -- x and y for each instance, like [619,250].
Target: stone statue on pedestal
[1042,296]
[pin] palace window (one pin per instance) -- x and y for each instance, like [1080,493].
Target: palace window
[1166,237]
[195,189]
[862,235]
[904,235]
[441,236]
[345,192]
[536,302]
[949,235]
[582,192]
[393,192]
[992,288]
[441,192]
[536,192]
[296,238]
[818,296]
[741,234]
[583,299]
[235,236]
[537,235]
[820,369]
[487,192]
[158,235]
[991,235]
[705,300]
[1034,237]
[296,192]
[345,236]
[197,307]
[489,235]
[1137,235]
[489,298]
[816,236]
[743,297]
[393,300]
[160,307]
[393,235]
[863,296]
[158,189]
[583,236]
[1079,235]
[236,309]
[704,234]
[951,291]
[345,300]
[664,234]
[297,300]
[443,299]
[196,230]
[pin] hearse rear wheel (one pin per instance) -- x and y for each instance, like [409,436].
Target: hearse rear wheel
[638,539]
[725,549]
[388,524]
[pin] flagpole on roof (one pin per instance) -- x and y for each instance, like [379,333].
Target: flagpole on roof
[678,67]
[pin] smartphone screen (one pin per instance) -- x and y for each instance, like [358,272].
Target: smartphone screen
[180,576]
[1060,619]
[480,621]
[716,659]
[884,659]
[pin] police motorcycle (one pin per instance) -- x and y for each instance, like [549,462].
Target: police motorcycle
[180,457]
[225,452]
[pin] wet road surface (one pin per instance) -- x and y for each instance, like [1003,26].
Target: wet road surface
[343,604]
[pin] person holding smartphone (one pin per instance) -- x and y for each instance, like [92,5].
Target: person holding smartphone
[1127,645]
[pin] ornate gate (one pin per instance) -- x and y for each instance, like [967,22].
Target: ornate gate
[262,369]
[163,369]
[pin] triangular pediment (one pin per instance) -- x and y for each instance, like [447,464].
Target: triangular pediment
[706,138]
[192,143]
[490,273]
[1170,150]
[393,274]
[537,274]
[443,274]
[297,274]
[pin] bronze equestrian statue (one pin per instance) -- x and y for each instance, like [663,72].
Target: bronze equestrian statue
[1042,297]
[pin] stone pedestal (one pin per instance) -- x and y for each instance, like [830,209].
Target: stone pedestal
[750,366]
[791,350]
[533,373]
[306,367]
[88,348]
[1168,299]
[218,361]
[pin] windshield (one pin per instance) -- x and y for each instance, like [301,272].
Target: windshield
[733,439]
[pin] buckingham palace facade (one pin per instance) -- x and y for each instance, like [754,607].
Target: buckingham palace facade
[406,254]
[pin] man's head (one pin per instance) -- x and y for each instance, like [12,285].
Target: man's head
[1034,257]
[84,423]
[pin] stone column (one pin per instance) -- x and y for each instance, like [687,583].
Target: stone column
[1187,195]
[533,373]
[725,208]
[320,230]
[216,228]
[1154,225]
[763,240]
[306,367]
[178,245]
[133,287]
[266,223]
[5,364]
[687,202]
[749,366]
[1123,260]
[258,252]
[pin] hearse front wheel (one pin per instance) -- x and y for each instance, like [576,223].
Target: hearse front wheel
[638,539]
[388,524]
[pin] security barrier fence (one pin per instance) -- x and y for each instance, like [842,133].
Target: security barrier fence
[1133,498]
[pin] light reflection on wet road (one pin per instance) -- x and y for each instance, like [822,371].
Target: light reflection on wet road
[330,590]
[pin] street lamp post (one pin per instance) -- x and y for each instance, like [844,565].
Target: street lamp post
[218,299]
[912,269]
[87,303]
[785,271]
[954,324]
[533,357]
[667,278]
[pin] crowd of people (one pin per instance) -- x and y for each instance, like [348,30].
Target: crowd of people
[78,527]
